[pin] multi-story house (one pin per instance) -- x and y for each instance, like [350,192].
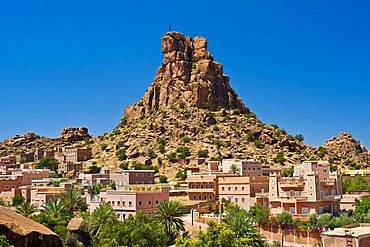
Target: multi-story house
[64,168]
[250,168]
[20,177]
[130,199]
[133,177]
[203,187]
[41,195]
[235,189]
[76,154]
[313,189]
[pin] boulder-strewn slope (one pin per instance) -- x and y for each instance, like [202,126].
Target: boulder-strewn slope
[31,142]
[21,231]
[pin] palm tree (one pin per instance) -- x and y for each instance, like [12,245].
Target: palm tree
[101,215]
[56,209]
[241,223]
[234,169]
[26,209]
[73,201]
[168,213]
[94,189]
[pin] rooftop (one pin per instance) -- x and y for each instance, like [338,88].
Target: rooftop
[355,230]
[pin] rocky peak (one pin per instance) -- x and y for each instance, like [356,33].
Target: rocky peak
[344,143]
[74,134]
[188,75]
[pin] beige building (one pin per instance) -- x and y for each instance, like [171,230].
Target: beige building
[131,199]
[356,235]
[250,168]
[313,189]
[235,189]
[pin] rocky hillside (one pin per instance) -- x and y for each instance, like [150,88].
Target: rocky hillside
[190,111]
[31,142]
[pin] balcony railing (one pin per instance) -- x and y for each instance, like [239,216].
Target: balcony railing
[292,182]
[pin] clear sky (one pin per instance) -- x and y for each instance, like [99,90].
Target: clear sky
[304,65]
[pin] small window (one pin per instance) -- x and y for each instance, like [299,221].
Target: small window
[205,197]
[210,197]
[118,203]
[129,203]
[200,197]
[236,188]
[195,197]
[156,202]
[229,189]
[140,203]
[150,202]
[149,174]
[236,200]
[242,188]
[243,200]
[142,174]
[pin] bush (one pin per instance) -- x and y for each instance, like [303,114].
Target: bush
[185,139]
[258,144]
[161,141]
[172,157]
[94,169]
[103,146]
[121,154]
[160,161]
[205,105]
[119,145]
[216,128]
[162,179]
[123,166]
[152,154]
[210,114]
[47,162]
[17,200]
[299,137]
[250,136]
[203,153]
[182,105]
[236,111]
[161,148]
[321,152]
[279,158]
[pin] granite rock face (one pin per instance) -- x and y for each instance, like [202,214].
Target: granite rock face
[73,134]
[188,75]
[23,232]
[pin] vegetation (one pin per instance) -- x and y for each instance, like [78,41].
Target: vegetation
[321,152]
[162,179]
[140,230]
[47,162]
[258,144]
[279,158]
[103,146]
[17,200]
[203,153]
[299,137]
[259,214]
[73,202]
[100,216]
[288,172]
[4,242]
[152,154]
[94,169]
[234,169]
[362,206]
[181,174]
[358,183]
[26,209]
[168,213]
[185,139]
[121,154]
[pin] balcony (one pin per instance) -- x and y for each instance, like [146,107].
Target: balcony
[294,196]
[328,182]
[292,183]
[199,190]
[331,197]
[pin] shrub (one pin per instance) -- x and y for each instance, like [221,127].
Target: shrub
[299,137]
[205,105]
[217,158]
[203,153]
[103,146]
[152,154]
[279,158]
[236,111]
[250,136]
[161,141]
[160,161]
[123,166]
[94,169]
[140,103]
[182,105]
[227,117]
[119,145]
[185,139]
[210,114]
[216,128]
[321,152]
[162,179]
[258,144]
[142,116]
[121,154]
[275,126]
[172,157]
[161,148]
[176,123]
[17,200]
[123,122]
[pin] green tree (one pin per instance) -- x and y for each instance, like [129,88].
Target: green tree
[4,242]
[234,169]
[47,162]
[162,179]
[17,200]
[72,200]
[299,137]
[93,190]
[362,206]
[26,209]
[288,172]
[94,169]
[169,213]
[279,158]
[259,214]
[56,210]
[121,154]
[140,230]
[100,216]
[182,174]
[203,153]
[324,221]
[283,220]
[240,222]
[215,236]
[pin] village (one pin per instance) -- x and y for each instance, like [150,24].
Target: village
[307,189]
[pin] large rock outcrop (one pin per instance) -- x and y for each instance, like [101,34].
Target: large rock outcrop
[73,134]
[23,232]
[188,75]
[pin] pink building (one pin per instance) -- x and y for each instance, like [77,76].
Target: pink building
[351,235]
[245,167]
[76,154]
[20,177]
[132,199]
[40,195]
[313,189]
[235,189]
[133,177]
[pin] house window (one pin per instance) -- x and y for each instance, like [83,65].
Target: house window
[205,197]
[254,168]
[142,182]
[201,186]
[210,197]
[200,197]
[249,168]
[236,188]
[310,187]
[130,203]
[156,202]
[229,189]
[325,170]
[243,200]
[244,168]
[123,203]
[292,210]
[304,210]
[211,186]
[195,197]
[142,174]
[149,174]
[242,188]
[140,203]
[236,200]
[150,202]
[118,203]
[112,202]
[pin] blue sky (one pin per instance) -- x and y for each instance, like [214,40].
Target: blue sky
[303,65]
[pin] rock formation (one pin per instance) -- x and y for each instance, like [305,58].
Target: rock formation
[72,134]
[188,75]
[23,232]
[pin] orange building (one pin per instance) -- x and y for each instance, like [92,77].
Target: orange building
[313,189]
